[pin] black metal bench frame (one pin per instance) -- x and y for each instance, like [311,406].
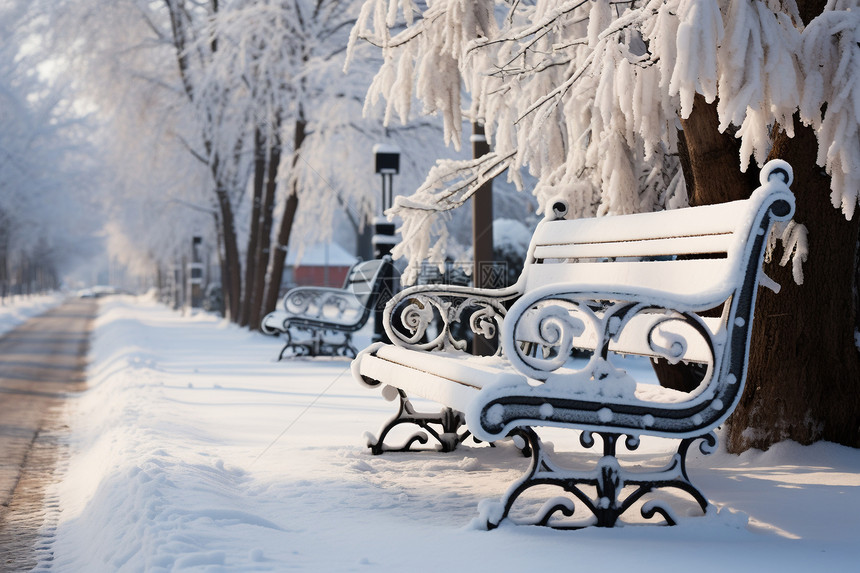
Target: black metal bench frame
[320,321]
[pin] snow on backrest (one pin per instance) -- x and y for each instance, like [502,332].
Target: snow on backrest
[694,256]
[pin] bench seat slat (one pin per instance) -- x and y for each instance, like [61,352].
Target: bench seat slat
[445,379]
[455,380]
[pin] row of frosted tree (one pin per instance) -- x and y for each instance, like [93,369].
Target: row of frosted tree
[240,113]
[44,215]
[229,120]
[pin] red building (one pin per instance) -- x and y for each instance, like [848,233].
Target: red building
[322,264]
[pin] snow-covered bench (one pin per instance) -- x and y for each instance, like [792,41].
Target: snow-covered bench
[319,321]
[634,284]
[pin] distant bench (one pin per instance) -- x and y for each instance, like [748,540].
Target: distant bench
[319,321]
[595,288]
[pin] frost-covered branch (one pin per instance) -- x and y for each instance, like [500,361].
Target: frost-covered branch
[587,95]
[448,186]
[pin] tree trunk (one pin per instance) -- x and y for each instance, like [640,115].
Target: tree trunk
[709,160]
[279,253]
[4,255]
[251,261]
[222,265]
[264,242]
[803,381]
[231,268]
[232,272]
[712,158]
[804,368]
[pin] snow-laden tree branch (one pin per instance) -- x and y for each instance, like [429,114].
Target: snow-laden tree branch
[588,95]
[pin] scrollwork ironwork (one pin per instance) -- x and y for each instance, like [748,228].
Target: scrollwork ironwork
[444,319]
[443,427]
[548,330]
[331,305]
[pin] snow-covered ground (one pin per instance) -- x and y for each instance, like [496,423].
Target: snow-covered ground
[194,450]
[17,309]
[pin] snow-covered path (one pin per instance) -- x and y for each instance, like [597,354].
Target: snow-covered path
[194,450]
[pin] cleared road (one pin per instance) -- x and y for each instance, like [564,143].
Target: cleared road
[42,364]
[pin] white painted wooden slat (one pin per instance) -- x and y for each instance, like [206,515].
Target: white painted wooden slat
[705,220]
[573,249]
[680,280]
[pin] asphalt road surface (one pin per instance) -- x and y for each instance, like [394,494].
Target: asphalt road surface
[42,367]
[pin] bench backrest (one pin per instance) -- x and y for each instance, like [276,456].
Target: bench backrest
[694,256]
[364,277]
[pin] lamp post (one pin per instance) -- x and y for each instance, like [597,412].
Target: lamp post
[195,274]
[386,160]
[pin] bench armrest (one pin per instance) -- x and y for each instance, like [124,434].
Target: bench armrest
[410,316]
[273,323]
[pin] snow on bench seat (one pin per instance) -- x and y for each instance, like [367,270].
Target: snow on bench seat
[452,379]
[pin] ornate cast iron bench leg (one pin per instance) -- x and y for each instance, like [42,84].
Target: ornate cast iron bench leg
[449,422]
[288,345]
[608,478]
[314,344]
[347,349]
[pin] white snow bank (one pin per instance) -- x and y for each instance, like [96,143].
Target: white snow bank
[18,309]
[194,450]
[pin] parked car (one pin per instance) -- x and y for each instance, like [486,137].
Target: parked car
[99,291]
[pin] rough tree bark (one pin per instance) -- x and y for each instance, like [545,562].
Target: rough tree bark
[264,243]
[251,262]
[803,380]
[804,373]
[279,252]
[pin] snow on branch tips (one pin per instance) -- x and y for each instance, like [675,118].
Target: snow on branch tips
[830,59]
[587,95]
[449,185]
[700,31]
[423,59]
[795,245]
[759,76]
